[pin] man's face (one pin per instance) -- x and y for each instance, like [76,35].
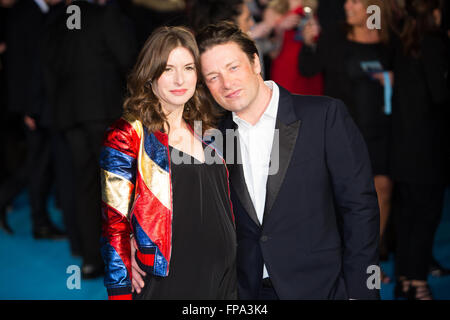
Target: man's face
[230,76]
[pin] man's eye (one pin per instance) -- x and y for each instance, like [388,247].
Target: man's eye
[234,68]
[212,78]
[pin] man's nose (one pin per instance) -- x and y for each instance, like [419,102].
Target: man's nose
[227,81]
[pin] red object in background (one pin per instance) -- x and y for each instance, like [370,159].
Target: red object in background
[284,70]
[300,11]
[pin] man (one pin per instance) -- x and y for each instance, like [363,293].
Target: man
[26,97]
[85,71]
[310,229]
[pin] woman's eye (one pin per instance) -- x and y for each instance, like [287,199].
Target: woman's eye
[190,68]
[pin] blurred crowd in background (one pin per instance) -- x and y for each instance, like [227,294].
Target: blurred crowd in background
[61,87]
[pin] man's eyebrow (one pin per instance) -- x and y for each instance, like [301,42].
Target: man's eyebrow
[234,61]
[227,65]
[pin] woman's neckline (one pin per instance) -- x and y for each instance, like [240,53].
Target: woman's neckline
[194,158]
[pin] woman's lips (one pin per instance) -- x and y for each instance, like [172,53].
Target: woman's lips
[178,92]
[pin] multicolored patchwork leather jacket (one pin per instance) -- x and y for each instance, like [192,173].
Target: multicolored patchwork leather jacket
[136,200]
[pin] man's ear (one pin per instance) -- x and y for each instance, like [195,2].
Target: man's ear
[256,64]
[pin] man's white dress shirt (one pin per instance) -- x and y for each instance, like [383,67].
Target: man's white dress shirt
[256,146]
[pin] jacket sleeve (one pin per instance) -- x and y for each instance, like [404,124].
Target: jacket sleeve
[312,59]
[355,200]
[118,175]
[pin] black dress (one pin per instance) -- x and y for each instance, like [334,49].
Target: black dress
[421,114]
[420,159]
[341,62]
[203,260]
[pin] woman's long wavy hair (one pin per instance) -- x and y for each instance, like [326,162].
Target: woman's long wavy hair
[143,104]
[419,20]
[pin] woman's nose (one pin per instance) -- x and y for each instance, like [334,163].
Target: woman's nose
[179,77]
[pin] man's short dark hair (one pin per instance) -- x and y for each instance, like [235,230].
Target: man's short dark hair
[226,32]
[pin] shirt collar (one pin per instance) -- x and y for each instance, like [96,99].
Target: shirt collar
[272,108]
[42,5]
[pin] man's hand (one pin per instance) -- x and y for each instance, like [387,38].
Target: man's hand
[136,273]
[30,123]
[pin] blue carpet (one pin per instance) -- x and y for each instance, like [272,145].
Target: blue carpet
[37,269]
[441,251]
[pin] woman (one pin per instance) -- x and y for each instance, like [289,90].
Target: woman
[351,59]
[284,69]
[158,187]
[420,144]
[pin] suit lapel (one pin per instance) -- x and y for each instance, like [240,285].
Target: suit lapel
[238,179]
[287,125]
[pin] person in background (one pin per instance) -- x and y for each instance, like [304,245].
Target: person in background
[420,144]
[27,97]
[147,15]
[290,16]
[10,134]
[85,72]
[355,61]
[204,12]
[330,13]
[178,212]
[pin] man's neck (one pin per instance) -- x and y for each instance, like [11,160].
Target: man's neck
[254,112]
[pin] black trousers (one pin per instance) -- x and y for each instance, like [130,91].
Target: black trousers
[85,143]
[65,188]
[417,213]
[36,174]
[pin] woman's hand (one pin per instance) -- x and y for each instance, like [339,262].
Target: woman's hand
[380,77]
[311,32]
[137,273]
[289,22]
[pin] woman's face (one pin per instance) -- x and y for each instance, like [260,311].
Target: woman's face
[177,83]
[355,12]
[245,20]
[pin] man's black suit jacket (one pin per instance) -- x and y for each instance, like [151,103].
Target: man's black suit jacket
[86,68]
[320,230]
[24,28]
